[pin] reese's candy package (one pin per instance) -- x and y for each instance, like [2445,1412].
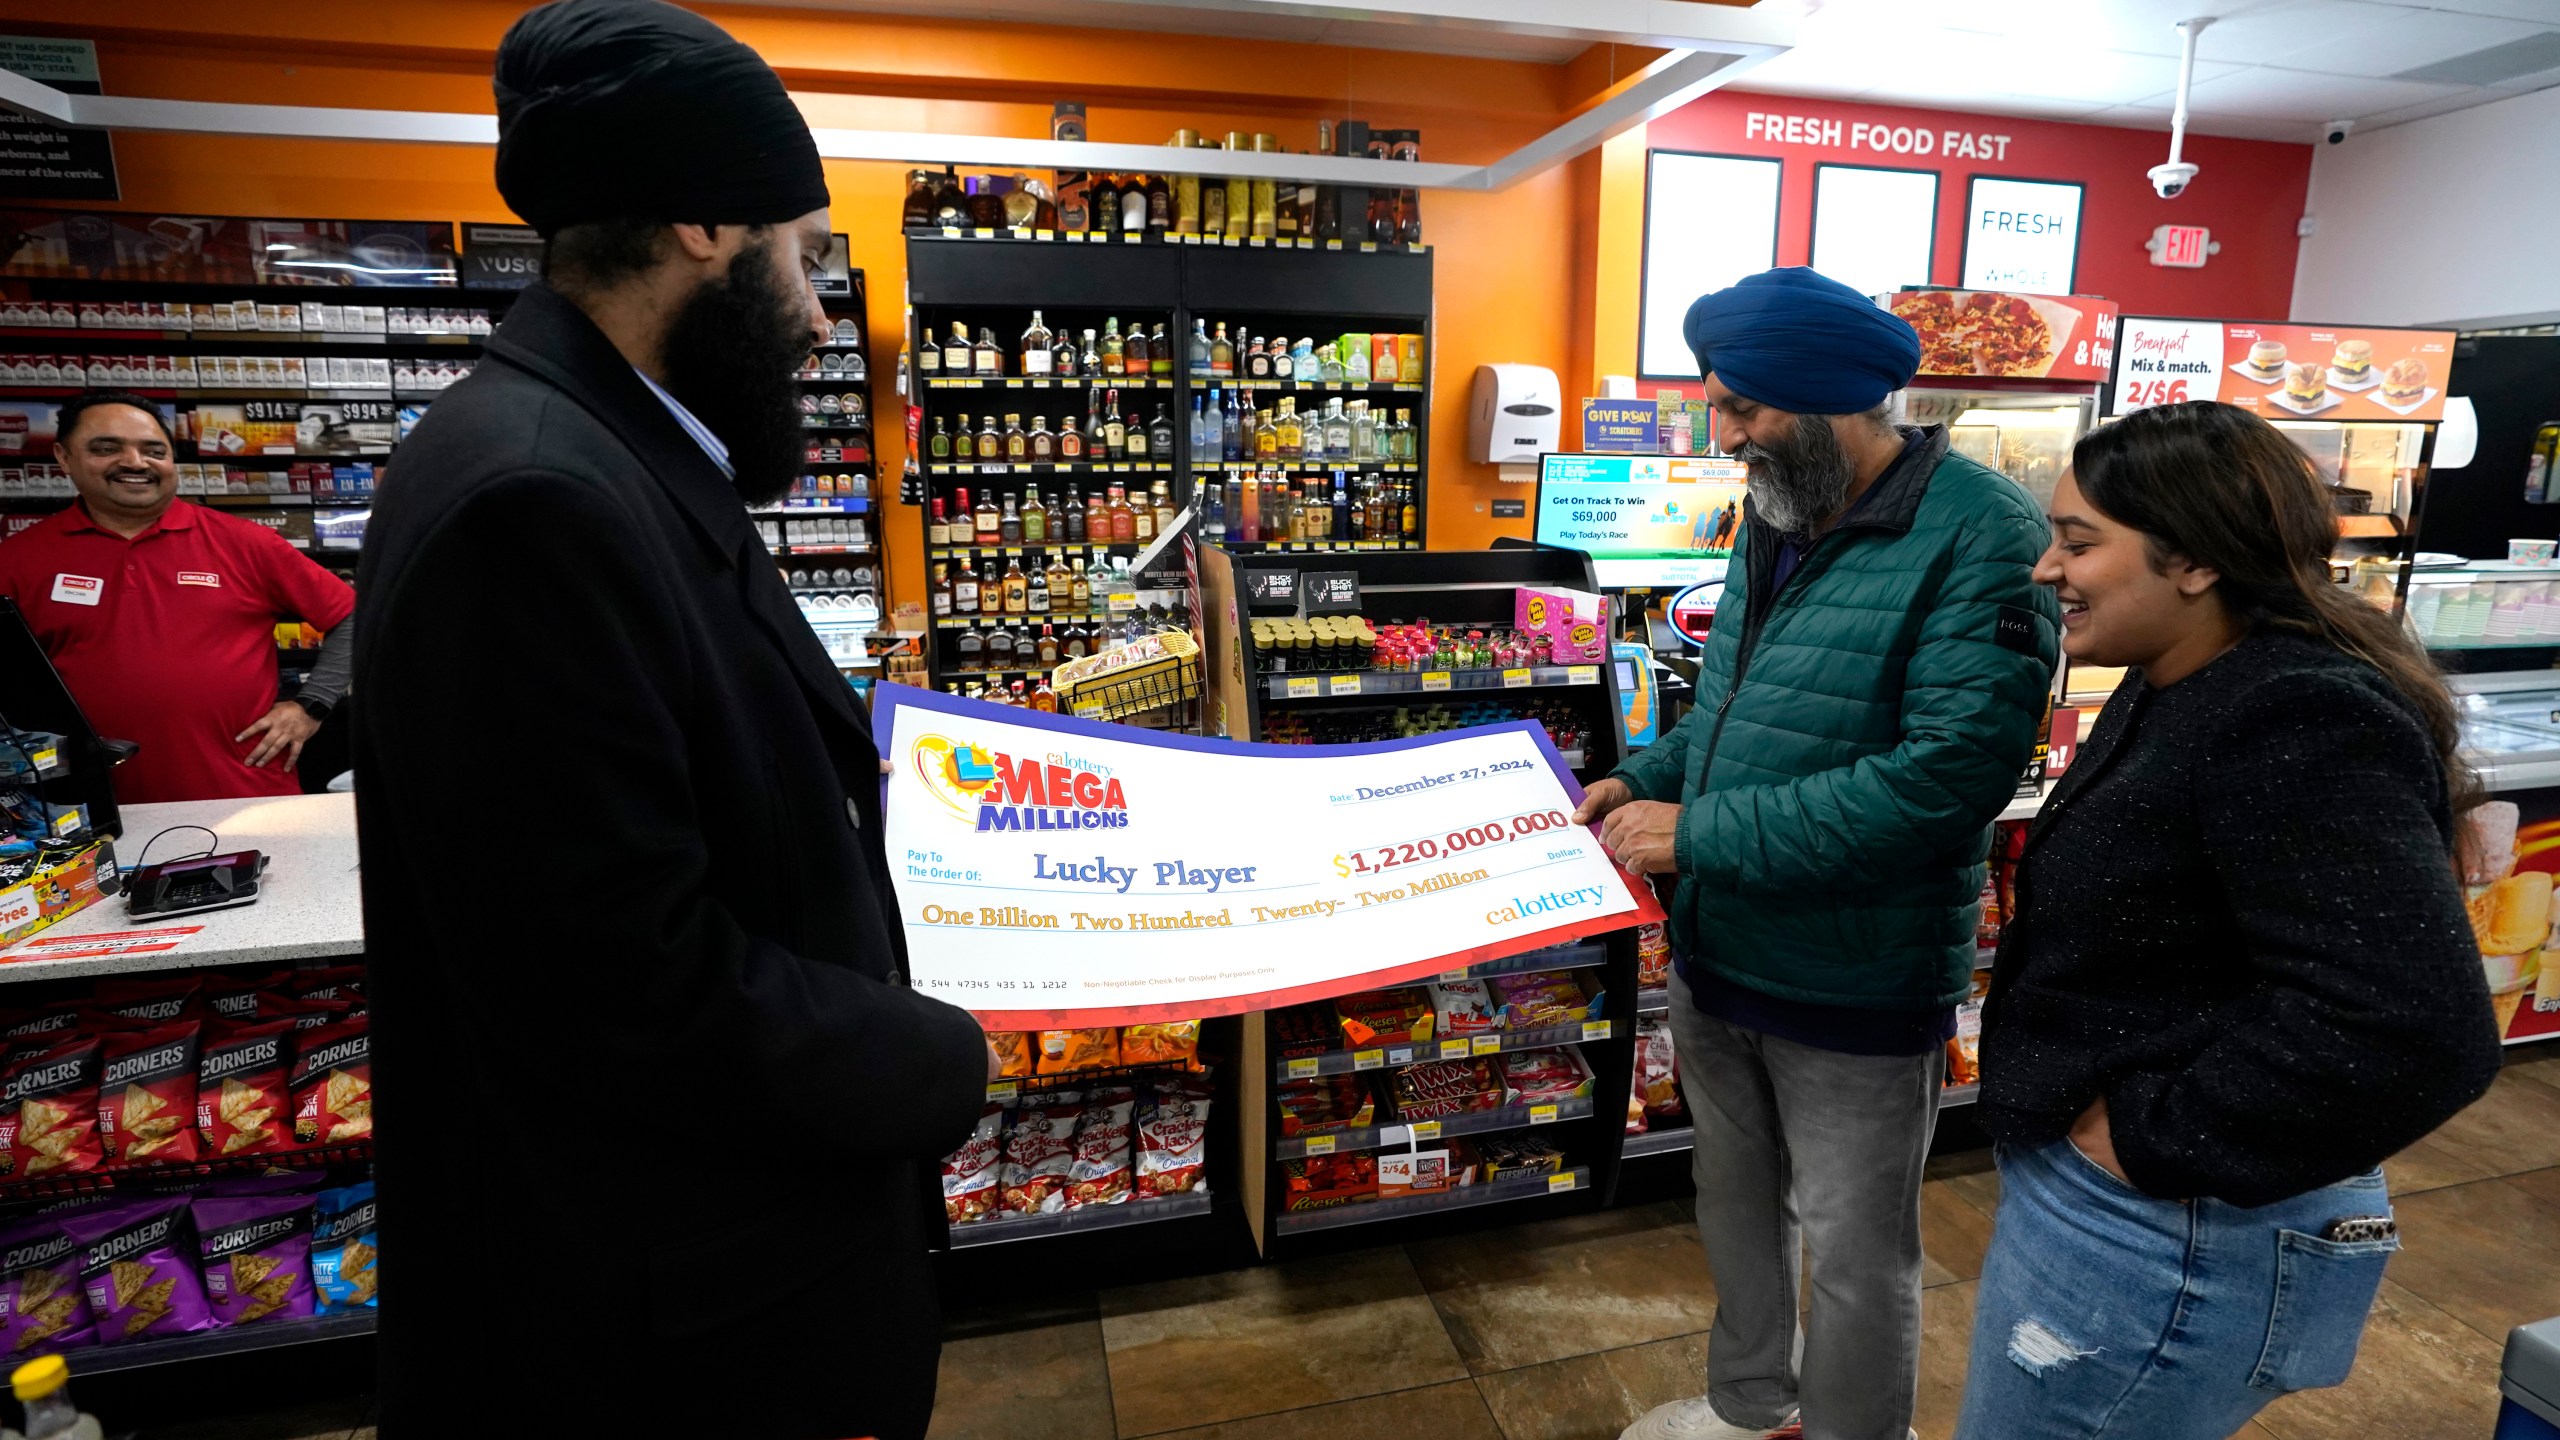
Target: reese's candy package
[256,1251]
[149,999]
[332,1084]
[343,1247]
[43,1307]
[147,1094]
[138,1264]
[240,1090]
[49,1110]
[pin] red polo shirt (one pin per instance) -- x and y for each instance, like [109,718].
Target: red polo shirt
[168,639]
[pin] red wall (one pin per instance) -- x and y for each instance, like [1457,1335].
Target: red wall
[2250,193]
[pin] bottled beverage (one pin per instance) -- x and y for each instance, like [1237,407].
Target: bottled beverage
[1035,590]
[917,212]
[1159,352]
[1035,347]
[1338,524]
[999,649]
[1009,524]
[964,589]
[929,359]
[943,597]
[1062,357]
[1133,207]
[1160,437]
[1070,439]
[1408,529]
[1133,351]
[937,530]
[1305,366]
[1097,519]
[1074,521]
[1197,366]
[1017,587]
[1017,442]
[1329,367]
[1328,212]
[1239,194]
[1045,653]
[1232,446]
[1337,431]
[1044,699]
[1292,434]
[1199,420]
[1249,506]
[1124,521]
[1364,434]
[957,352]
[1407,145]
[1102,204]
[1080,595]
[1133,432]
[1111,347]
[1233,510]
[989,520]
[1357,522]
[1044,444]
[1266,437]
[1035,519]
[1378,527]
[1212,500]
[1161,494]
[971,647]
[1259,360]
[940,444]
[1090,362]
[1061,582]
[1115,431]
[988,360]
[1222,353]
[1266,194]
[990,441]
[1097,442]
[1159,206]
[1355,365]
[1142,519]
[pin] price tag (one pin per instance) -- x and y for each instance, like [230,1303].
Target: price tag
[1319,1144]
[1231,241]
[1303,1069]
[1133,237]
[1021,232]
[1044,234]
[1453,1050]
[1400,1055]
[1368,247]
[1304,243]
[1300,688]
[1542,1114]
[1487,1044]
[1039,384]
[1007,470]
[1333,244]
[1435,679]
[1003,1094]
[1452,977]
[1121,468]
[1012,384]
[1425,1130]
[950,232]
[1582,674]
[1416,248]
[1257,242]
[1595,1030]
[1368,1059]
[1344,685]
[983,232]
[1098,237]
[1075,237]
[1558,1184]
[1514,679]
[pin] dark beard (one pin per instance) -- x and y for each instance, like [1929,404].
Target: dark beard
[1803,480]
[730,355]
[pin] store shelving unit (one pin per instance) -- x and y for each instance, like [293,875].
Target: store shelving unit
[1000,1229]
[1465,1197]
[826,536]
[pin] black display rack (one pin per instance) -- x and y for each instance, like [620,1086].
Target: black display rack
[992,283]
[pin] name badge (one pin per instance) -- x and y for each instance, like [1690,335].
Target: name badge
[78,589]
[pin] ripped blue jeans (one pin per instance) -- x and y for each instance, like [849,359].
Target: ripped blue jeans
[2106,1314]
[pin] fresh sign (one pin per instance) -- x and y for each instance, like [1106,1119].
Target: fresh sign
[2022,235]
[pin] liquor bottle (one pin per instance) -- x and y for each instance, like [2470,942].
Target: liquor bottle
[1068,519]
[971,648]
[1292,435]
[956,351]
[1305,367]
[1134,440]
[1115,431]
[1017,587]
[1355,366]
[929,361]
[1044,699]
[941,441]
[943,599]
[950,206]
[1061,582]
[1017,443]
[1377,526]
[1044,444]
[1337,431]
[1133,351]
[990,441]
[1199,421]
[1097,519]
[1045,654]
[964,589]
[999,649]
[1124,521]
[1075,199]
[1096,443]
[1338,527]
[1234,506]
[1035,590]
[1090,362]
[1198,366]
[1232,445]
[1186,188]
[1070,439]
[1133,207]
[1357,522]
[1408,525]
[1159,206]
[937,530]
[1035,518]
[987,359]
[1265,436]
[1159,352]
[1080,593]
[1111,347]
[1284,211]
[1142,519]
[1160,437]
[1246,508]
[988,521]
[1364,434]
[1407,145]
[1212,500]
[1062,357]
[1102,204]
[1035,347]
[1161,496]
[1009,524]
[1222,353]
[1328,206]
[1213,206]
[1330,369]
[1260,361]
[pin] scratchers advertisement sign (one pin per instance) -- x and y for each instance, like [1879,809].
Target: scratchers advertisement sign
[1054,872]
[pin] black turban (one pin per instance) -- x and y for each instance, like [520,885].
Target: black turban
[635,109]
[1802,342]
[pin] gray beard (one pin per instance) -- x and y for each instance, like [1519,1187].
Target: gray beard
[1801,482]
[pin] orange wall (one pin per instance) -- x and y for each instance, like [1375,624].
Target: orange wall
[1510,269]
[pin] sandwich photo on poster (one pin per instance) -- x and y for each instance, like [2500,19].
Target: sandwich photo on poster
[2301,372]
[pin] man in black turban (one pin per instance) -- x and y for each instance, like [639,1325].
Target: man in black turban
[655,1090]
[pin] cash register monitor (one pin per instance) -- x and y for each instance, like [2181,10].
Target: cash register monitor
[33,697]
[1647,521]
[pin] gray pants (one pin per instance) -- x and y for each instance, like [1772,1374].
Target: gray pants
[1802,1149]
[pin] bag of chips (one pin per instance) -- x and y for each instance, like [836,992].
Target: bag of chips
[38,1027]
[240,1089]
[1964,1048]
[1013,1053]
[1173,1142]
[43,1306]
[1653,956]
[332,1084]
[1657,1075]
[343,1247]
[969,1173]
[138,1263]
[233,1000]
[149,1000]
[1039,1151]
[335,982]
[147,1094]
[1065,1051]
[257,1257]
[306,1013]
[1100,1173]
[49,1110]
[1167,1043]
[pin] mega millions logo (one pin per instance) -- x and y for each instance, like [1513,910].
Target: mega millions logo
[988,790]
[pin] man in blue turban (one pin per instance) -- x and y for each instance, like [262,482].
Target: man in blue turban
[1868,700]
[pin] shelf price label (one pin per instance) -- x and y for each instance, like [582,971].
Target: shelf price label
[1558,1184]
[1542,1114]
[1595,1030]
[1300,688]
[1400,1055]
[1425,1130]
[1368,1059]
[1514,679]
[1435,679]
[950,232]
[1582,674]
[1333,244]
[1487,1045]
[983,232]
[1020,232]
[1319,1144]
[1004,1094]
[1344,685]
[1303,1069]
[1453,1050]
[1044,234]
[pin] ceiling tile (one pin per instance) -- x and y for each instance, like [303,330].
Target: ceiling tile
[2268,93]
[2156,117]
[2545,11]
[2415,38]
[2443,105]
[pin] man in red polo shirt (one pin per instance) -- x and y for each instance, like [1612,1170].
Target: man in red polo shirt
[161,615]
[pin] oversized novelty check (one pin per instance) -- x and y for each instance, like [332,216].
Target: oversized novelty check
[1055,872]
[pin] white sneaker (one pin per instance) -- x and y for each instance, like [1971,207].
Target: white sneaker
[1696,1420]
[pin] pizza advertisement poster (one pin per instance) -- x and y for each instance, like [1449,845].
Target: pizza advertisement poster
[2005,334]
[2284,372]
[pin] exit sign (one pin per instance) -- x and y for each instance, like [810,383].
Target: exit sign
[2181,246]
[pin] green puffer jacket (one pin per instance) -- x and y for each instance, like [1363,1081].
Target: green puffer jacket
[1854,738]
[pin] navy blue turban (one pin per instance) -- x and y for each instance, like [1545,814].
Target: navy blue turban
[636,110]
[1795,341]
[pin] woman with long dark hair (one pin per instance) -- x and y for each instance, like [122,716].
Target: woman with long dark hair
[2240,974]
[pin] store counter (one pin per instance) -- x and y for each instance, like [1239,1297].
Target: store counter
[309,905]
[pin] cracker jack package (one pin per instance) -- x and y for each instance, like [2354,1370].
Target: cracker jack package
[257,1257]
[332,1084]
[240,1090]
[1173,1142]
[49,1111]
[969,1173]
[1100,1173]
[138,1264]
[147,1095]
[1039,1154]
[43,1307]
[344,1247]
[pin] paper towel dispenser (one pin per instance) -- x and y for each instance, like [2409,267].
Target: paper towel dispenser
[1519,414]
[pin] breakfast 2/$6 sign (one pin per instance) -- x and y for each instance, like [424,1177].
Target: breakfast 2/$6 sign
[1054,872]
[2301,372]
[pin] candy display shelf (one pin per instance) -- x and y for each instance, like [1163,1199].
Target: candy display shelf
[1490,1192]
[1481,1122]
[1396,1055]
[997,1229]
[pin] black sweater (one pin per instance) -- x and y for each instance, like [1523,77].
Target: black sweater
[2238,921]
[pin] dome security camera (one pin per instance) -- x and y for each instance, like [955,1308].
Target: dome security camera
[2171,180]
[2335,132]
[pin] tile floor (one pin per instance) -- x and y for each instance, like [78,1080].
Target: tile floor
[1568,1329]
